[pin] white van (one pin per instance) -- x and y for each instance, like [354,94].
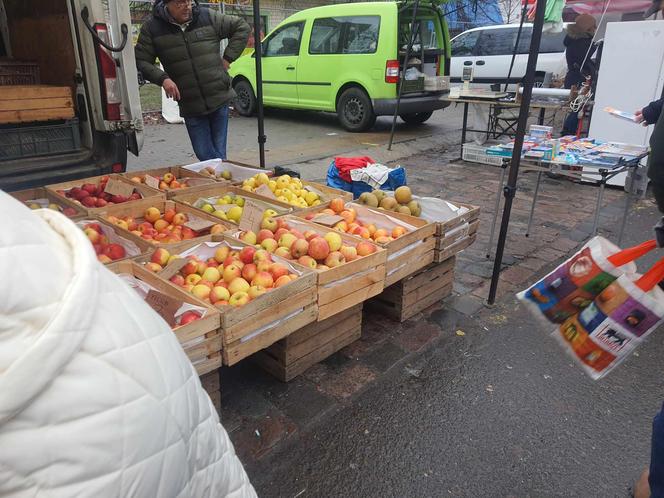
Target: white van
[488,51]
[65,44]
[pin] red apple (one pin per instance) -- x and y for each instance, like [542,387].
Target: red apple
[277,270]
[247,254]
[240,285]
[335,258]
[283,280]
[160,256]
[231,272]
[283,252]
[178,279]
[349,253]
[299,248]
[115,251]
[365,248]
[264,234]
[188,317]
[249,272]
[307,261]
[319,248]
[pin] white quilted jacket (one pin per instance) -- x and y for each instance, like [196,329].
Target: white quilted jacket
[96,396]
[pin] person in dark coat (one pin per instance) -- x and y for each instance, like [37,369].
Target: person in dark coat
[186,39]
[579,48]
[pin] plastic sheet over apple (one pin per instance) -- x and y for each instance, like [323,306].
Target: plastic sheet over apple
[238,173]
[130,248]
[42,203]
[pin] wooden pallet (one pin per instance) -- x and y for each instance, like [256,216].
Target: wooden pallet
[147,194]
[304,348]
[349,284]
[265,320]
[455,235]
[195,180]
[27,103]
[211,383]
[201,339]
[417,292]
[32,194]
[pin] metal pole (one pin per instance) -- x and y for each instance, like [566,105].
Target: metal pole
[503,169]
[258,53]
[532,208]
[600,198]
[409,47]
[524,12]
[510,188]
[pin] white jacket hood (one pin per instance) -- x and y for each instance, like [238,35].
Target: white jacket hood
[97,397]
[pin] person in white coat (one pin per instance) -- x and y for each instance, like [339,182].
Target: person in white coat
[97,398]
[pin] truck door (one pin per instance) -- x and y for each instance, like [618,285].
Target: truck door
[104,34]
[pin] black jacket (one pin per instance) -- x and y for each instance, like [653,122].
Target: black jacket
[652,113]
[576,48]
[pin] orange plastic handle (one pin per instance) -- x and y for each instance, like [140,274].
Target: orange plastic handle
[652,277]
[630,254]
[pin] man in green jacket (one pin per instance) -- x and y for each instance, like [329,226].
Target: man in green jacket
[185,37]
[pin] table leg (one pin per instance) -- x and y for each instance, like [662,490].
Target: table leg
[598,207]
[540,119]
[464,126]
[628,203]
[532,208]
[495,210]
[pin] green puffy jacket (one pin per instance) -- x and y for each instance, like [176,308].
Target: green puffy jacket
[191,57]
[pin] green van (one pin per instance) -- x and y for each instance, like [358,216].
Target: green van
[346,58]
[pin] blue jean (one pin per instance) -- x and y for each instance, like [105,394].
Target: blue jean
[208,134]
[657,457]
[571,123]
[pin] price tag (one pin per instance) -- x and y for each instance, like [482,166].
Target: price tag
[252,215]
[328,220]
[165,306]
[116,186]
[199,224]
[265,191]
[172,268]
[151,181]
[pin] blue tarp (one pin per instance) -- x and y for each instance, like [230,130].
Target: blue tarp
[462,15]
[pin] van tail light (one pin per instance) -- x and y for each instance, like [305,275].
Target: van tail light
[438,65]
[117,168]
[109,77]
[392,72]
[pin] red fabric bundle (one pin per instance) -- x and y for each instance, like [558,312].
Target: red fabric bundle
[346,164]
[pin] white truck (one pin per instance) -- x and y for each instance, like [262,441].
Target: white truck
[85,45]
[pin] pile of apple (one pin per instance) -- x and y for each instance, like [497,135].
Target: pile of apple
[310,249]
[160,228]
[401,202]
[166,182]
[230,277]
[354,226]
[285,189]
[210,172]
[93,196]
[235,212]
[67,211]
[106,252]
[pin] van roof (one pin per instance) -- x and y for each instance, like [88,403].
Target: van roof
[505,26]
[345,9]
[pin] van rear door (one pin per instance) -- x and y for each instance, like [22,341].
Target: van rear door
[104,31]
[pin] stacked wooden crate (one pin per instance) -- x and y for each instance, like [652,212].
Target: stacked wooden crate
[27,103]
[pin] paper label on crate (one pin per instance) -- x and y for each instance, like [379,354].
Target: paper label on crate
[152,181]
[252,215]
[172,268]
[328,220]
[165,306]
[265,191]
[116,186]
[198,224]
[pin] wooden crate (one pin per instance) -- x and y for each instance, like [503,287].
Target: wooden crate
[211,383]
[195,179]
[201,339]
[118,236]
[27,103]
[417,292]
[454,235]
[147,193]
[312,344]
[349,284]
[407,254]
[136,210]
[41,193]
[265,320]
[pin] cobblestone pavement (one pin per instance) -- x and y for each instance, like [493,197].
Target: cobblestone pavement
[263,414]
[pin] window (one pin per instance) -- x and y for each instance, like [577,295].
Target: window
[551,43]
[496,42]
[345,35]
[285,41]
[425,34]
[463,45]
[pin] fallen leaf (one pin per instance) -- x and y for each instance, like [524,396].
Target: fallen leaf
[460,333]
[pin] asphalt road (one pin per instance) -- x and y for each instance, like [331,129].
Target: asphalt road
[499,412]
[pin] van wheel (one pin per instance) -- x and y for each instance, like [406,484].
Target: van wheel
[245,102]
[416,117]
[355,110]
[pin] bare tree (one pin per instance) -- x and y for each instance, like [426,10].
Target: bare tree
[511,10]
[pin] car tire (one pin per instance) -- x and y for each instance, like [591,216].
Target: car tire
[416,118]
[355,110]
[245,101]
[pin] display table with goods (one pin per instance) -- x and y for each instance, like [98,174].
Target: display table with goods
[584,160]
[228,170]
[41,197]
[171,181]
[261,297]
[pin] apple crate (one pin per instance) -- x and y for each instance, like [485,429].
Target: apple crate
[136,210]
[292,356]
[60,188]
[238,171]
[406,254]
[457,233]
[194,180]
[211,383]
[42,197]
[416,292]
[264,320]
[116,235]
[351,283]
[201,339]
